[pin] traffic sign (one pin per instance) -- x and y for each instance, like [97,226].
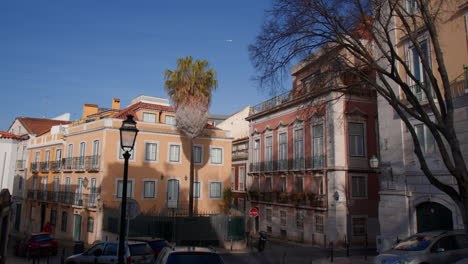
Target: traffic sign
[253,212]
[133,208]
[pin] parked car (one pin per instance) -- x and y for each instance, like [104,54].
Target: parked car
[106,252]
[36,244]
[193,255]
[429,247]
[156,244]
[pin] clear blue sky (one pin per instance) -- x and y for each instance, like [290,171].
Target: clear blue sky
[57,55]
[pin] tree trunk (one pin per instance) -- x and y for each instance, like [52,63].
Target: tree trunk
[191,179]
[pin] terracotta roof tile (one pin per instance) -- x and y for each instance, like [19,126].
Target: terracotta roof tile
[39,126]
[10,135]
[131,110]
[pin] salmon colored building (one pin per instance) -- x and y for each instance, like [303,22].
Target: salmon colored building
[76,170]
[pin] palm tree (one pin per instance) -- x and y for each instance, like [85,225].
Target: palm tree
[190,87]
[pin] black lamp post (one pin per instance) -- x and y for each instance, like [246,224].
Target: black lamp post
[128,133]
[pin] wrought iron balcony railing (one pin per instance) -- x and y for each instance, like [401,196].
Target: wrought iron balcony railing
[44,166]
[294,198]
[315,162]
[56,165]
[67,198]
[35,167]
[84,163]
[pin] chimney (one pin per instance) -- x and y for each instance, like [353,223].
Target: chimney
[89,109]
[116,104]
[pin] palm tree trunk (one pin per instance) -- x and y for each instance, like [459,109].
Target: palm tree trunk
[191,179]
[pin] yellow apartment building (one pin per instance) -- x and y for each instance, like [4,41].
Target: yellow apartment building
[77,169]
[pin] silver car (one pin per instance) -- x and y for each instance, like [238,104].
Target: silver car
[106,253]
[188,255]
[429,248]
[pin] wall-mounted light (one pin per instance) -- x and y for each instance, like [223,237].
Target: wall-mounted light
[374,162]
[336,196]
[162,177]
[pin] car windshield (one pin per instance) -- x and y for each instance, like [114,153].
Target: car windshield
[414,243]
[39,238]
[194,258]
[158,244]
[139,250]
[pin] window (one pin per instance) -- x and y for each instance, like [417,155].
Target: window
[359,226]
[283,218]
[241,179]
[55,188]
[174,153]
[317,146]
[110,250]
[151,151]
[256,155]
[90,225]
[298,149]
[20,182]
[38,154]
[269,153]
[63,226]
[282,184]
[47,156]
[95,248]
[216,155]
[33,212]
[356,139]
[233,179]
[425,138]
[299,184]
[81,159]
[300,219]
[149,189]
[132,153]
[410,6]
[196,190]
[170,120]
[319,224]
[358,186]
[268,184]
[149,117]
[417,69]
[120,188]
[58,154]
[92,195]
[240,204]
[94,158]
[268,215]
[53,217]
[197,154]
[283,151]
[215,190]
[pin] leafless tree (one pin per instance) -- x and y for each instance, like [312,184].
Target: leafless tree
[296,30]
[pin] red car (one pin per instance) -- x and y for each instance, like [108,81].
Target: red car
[37,244]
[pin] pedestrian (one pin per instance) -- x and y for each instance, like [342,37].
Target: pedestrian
[47,228]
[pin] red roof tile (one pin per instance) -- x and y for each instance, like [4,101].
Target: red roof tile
[10,135]
[39,126]
[131,110]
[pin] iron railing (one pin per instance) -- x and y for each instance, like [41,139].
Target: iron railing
[35,167]
[67,198]
[272,102]
[44,166]
[56,165]
[315,162]
[293,198]
[240,155]
[84,163]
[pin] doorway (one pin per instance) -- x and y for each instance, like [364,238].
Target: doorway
[43,215]
[77,229]
[433,216]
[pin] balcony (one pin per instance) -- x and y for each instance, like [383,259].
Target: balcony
[20,164]
[315,162]
[66,198]
[460,87]
[35,167]
[293,198]
[84,163]
[44,166]
[273,102]
[56,165]
[240,155]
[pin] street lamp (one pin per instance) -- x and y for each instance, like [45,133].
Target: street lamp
[128,133]
[374,162]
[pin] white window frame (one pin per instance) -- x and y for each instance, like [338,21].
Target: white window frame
[268,153]
[286,160]
[427,137]
[132,191]
[410,59]
[297,128]
[302,183]
[241,179]
[366,187]
[256,152]
[144,181]
[151,114]
[120,153]
[222,155]
[221,190]
[285,183]
[312,142]
[166,121]
[233,179]
[322,224]
[169,152]
[364,137]
[200,194]
[156,158]
[201,154]
[269,188]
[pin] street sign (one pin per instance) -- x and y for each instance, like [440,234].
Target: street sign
[253,212]
[133,208]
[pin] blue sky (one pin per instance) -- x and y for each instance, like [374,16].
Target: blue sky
[56,56]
